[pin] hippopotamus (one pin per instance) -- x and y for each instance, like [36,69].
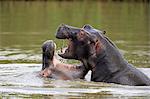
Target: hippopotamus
[53,68]
[100,55]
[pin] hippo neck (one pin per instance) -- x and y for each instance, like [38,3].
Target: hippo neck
[110,57]
[113,57]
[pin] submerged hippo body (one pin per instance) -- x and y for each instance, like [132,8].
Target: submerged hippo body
[100,55]
[53,68]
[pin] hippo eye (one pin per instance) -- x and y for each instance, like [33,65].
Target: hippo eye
[82,32]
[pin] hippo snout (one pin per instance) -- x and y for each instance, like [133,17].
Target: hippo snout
[48,49]
[66,32]
[62,32]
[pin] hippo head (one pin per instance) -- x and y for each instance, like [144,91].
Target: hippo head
[48,49]
[83,42]
[69,33]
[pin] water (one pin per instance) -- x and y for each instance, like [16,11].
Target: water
[23,80]
[24,26]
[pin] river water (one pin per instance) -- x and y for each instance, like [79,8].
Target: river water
[24,26]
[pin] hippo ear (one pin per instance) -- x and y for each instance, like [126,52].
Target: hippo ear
[98,46]
[87,26]
[104,32]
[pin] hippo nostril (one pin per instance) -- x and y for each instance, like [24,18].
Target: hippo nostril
[44,75]
[41,73]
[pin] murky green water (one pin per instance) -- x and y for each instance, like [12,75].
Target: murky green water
[24,26]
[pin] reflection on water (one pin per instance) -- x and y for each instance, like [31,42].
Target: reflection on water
[23,80]
[24,26]
[21,56]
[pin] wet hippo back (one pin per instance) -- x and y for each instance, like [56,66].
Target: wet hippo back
[132,76]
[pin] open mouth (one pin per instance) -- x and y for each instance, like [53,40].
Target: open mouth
[68,33]
[67,49]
